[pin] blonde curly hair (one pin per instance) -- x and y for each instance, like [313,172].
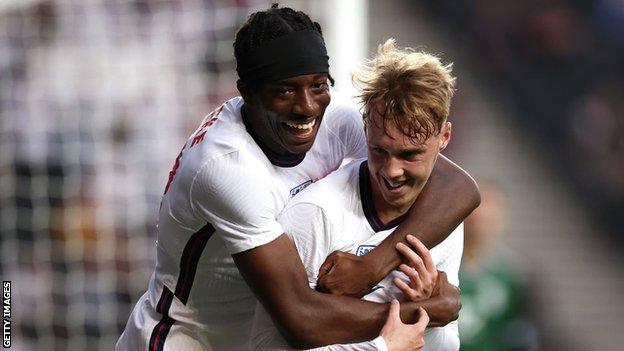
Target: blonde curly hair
[410,88]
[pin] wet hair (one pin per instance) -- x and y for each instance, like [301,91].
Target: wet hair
[264,26]
[411,89]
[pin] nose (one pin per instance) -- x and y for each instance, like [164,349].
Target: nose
[306,104]
[392,168]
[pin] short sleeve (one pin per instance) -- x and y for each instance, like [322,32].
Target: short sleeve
[238,202]
[444,338]
[309,228]
[453,248]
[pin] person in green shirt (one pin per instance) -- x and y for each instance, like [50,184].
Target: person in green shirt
[493,315]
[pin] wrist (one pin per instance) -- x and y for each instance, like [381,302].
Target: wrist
[380,343]
[382,261]
[374,269]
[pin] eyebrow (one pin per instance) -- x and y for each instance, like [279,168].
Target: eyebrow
[290,82]
[417,149]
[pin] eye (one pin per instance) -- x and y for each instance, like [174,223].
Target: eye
[410,155]
[283,91]
[320,86]
[377,150]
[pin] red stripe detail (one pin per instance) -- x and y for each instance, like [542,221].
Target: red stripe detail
[190,258]
[160,331]
[188,267]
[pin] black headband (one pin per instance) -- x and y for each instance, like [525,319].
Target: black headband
[294,54]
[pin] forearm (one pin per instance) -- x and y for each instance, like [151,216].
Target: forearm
[332,319]
[307,318]
[372,345]
[441,310]
[449,196]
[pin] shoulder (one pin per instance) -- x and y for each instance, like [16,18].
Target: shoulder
[221,131]
[342,106]
[221,147]
[334,194]
[342,110]
[342,103]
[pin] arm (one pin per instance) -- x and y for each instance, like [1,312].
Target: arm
[307,318]
[394,336]
[448,197]
[268,260]
[444,306]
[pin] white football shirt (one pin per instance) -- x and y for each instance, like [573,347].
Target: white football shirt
[223,196]
[337,214]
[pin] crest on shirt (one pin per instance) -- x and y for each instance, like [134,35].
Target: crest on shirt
[364,249]
[296,190]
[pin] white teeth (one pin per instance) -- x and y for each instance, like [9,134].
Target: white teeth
[301,126]
[394,185]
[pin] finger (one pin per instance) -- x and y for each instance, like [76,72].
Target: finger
[394,315]
[423,318]
[414,260]
[327,266]
[408,292]
[413,275]
[422,251]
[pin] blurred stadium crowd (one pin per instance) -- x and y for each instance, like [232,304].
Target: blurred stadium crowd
[96,98]
[560,64]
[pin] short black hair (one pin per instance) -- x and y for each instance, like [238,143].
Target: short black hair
[264,26]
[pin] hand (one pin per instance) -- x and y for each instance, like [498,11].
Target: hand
[420,269]
[449,295]
[345,274]
[399,336]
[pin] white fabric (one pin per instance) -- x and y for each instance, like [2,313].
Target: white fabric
[328,216]
[223,178]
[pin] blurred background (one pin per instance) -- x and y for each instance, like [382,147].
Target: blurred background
[97,97]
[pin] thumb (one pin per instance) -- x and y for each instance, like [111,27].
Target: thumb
[423,318]
[394,315]
[326,267]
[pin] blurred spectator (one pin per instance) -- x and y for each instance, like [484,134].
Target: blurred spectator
[493,315]
[596,147]
[560,63]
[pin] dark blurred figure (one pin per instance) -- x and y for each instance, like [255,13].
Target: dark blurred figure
[493,315]
[560,64]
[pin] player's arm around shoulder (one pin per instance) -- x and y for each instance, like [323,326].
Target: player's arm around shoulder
[449,196]
[304,317]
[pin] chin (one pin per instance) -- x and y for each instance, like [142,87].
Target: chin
[300,149]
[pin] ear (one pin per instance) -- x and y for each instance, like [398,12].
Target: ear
[445,135]
[244,90]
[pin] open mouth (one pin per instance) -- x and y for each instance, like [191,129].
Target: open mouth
[394,186]
[301,126]
[299,129]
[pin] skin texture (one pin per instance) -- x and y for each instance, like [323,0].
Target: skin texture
[299,100]
[455,196]
[395,159]
[420,269]
[274,271]
[399,167]
[399,336]
[308,318]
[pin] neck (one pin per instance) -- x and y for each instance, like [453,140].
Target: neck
[385,211]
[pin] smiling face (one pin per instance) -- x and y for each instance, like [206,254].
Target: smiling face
[286,114]
[399,166]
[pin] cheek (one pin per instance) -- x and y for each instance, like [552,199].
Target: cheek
[375,162]
[418,171]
